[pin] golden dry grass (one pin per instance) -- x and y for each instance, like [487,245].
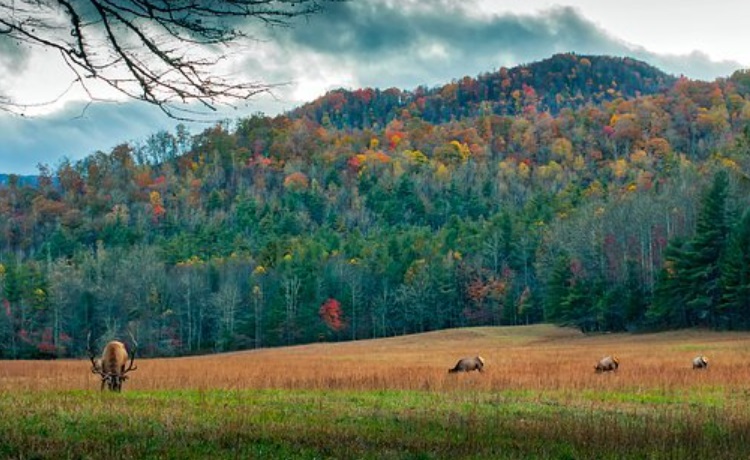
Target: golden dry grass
[393,398]
[527,358]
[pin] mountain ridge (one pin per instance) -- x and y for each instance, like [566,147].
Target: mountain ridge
[552,84]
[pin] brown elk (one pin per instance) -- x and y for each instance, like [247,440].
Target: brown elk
[608,363]
[469,364]
[111,366]
[700,362]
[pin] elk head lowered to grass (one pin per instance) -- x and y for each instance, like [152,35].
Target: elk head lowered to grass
[469,364]
[700,362]
[111,366]
[608,363]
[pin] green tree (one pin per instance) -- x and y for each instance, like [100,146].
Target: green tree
[734,311]
[668,310]
[557,290]
[688,291]
[704,255]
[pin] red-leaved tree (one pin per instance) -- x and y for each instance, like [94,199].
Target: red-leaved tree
[330,313]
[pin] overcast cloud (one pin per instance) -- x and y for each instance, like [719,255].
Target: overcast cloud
[353,44]
[389,45]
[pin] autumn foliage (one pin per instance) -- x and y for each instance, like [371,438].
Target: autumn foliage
[331,314]
[571,190]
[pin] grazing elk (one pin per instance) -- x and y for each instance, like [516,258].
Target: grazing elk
[111,366]
[608,363]
[469,364]
[700,362]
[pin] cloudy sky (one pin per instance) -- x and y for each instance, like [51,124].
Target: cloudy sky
[383,43]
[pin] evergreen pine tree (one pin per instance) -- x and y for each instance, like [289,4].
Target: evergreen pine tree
[704,255]
[669,308]
[688,291]
[735,282]
[558,289]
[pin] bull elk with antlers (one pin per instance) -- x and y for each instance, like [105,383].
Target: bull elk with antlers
[111,367]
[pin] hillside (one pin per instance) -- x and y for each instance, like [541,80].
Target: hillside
[561,81]
[619,204]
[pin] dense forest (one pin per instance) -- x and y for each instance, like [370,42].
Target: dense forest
[590,191]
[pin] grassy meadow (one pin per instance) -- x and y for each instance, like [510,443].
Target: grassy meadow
[393,398]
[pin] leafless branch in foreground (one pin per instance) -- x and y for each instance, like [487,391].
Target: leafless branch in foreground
[164,52]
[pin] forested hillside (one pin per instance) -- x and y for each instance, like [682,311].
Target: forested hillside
[563,81]
[582,190]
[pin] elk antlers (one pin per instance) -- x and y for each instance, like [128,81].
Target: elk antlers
[95,367]
[132,356]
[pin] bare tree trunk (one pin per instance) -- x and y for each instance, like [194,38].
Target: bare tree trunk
[380,312]
[258,310]
[291,295]
[354,280]
[188,304]
[492,248]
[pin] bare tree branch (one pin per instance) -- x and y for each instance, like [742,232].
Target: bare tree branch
[164,52]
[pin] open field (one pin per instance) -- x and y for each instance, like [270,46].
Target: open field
[393,398]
